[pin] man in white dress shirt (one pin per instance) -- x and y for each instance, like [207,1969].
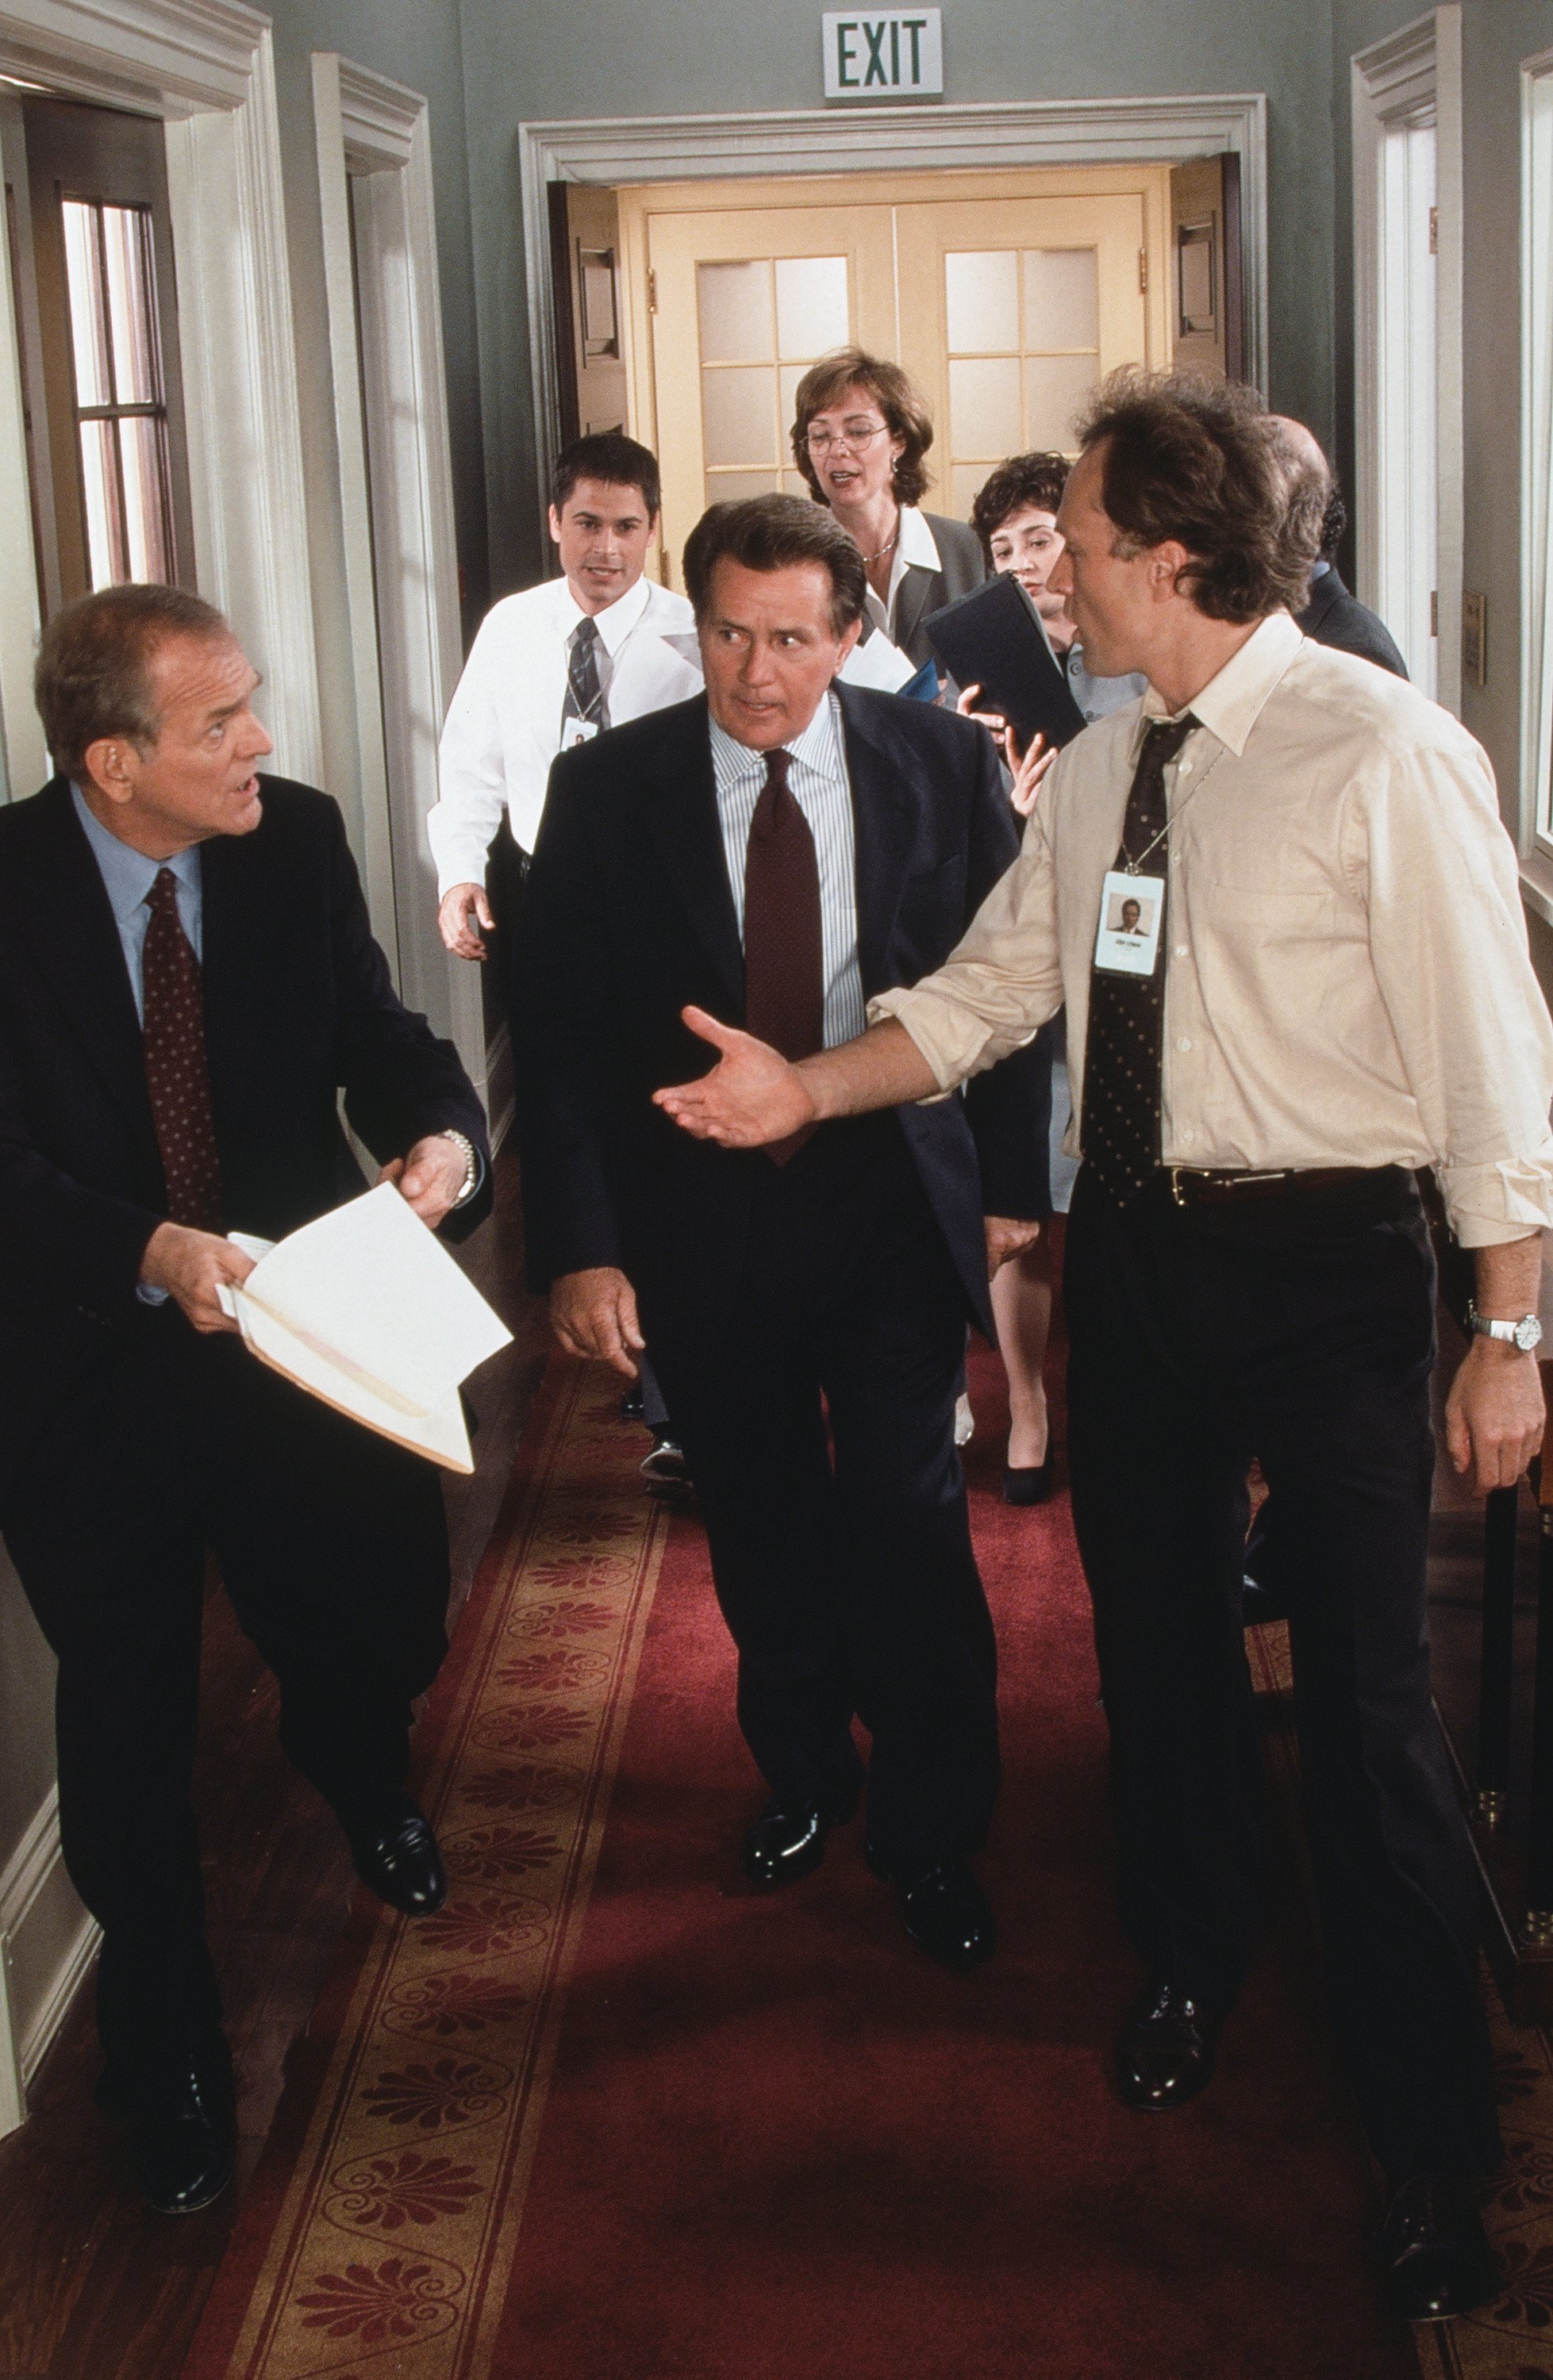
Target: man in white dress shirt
[551,668]
[1337,992]
[554,666]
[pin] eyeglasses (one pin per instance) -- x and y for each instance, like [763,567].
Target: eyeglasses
[851,434]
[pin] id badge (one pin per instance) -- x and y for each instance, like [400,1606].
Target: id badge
[1132,912]
[578,731]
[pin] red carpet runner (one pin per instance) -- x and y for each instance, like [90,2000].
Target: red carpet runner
[669,2127]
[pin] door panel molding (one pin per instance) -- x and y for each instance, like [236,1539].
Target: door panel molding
[818,142]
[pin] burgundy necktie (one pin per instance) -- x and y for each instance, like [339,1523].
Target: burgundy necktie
[178,1074]
[784,963]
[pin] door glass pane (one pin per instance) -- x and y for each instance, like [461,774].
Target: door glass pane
[795,484]
[140,452]
[811,306]
[1062,298]
[99,495]
[735,313]
[728,487]
[981,293]
[965,484]
[125,250]
[984,408]
[1056,390]
[738,415]
[83,274]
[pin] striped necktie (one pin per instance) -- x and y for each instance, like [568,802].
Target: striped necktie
[584,695]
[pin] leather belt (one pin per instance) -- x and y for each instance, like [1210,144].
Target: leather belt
[1199,1186]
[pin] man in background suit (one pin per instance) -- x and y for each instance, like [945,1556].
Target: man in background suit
[1333,615]
[186,980]
[772,854]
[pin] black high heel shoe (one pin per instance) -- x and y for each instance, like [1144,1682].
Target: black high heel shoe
[1031,1486]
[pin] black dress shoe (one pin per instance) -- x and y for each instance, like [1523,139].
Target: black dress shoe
[398,1861]
[1435,2256]
[943,1909]
[182,2149]
[1166,2050]
[665,1469]
[1029,1486]
[632,1403]
[786,1840]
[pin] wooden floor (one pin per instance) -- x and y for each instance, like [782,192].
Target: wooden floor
[92,2285]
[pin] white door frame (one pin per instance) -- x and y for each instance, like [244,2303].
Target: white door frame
[616,151]
[401,562]
[206,68]
[1412,79]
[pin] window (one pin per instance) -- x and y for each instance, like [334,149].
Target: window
[121,413]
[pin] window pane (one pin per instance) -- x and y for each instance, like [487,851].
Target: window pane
[737,411]
[1056,388]
[811,305]
[83,278]
[1062,298]
[728,487]
[127,251]
[735,313]
[985,408]
[965,482]
[142,448]
[982,296]
[100,492]
[795,484]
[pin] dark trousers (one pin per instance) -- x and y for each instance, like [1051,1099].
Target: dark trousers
[333,1549]
[846,1577]
[1304,1335]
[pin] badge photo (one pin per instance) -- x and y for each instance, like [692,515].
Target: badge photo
[1132,912]
[577,731]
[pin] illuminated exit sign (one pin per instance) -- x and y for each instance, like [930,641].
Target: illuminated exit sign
[895,54]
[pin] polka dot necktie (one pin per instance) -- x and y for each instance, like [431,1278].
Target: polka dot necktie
[178,1074]
[585,697]
[1124,1045]
[784,960]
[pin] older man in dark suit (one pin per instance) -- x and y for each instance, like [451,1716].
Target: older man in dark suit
[188,979]
[770,855]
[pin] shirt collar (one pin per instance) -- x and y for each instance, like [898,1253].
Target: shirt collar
[918,548]
[617,619]
[1231,703]
[126,873]
[816,748]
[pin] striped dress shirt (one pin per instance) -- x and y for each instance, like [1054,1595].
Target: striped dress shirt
[820,786]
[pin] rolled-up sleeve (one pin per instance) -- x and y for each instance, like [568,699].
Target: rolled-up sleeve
[1447,939]
[998,984]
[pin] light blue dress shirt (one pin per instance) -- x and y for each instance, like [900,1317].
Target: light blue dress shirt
[127,876]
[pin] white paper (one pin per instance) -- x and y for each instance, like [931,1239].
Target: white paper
[874,660]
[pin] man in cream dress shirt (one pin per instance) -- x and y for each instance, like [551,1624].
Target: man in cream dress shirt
[1341,994]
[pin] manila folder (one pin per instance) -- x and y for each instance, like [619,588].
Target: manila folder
[366,1309]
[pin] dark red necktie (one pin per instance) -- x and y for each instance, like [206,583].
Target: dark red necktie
[784,962]
[178,1074]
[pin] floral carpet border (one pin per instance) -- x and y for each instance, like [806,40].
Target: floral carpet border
[390,2245]
[1511,2339]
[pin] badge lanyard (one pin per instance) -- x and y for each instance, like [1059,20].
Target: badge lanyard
[1133,904]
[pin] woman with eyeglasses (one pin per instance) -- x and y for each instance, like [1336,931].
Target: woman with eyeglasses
[859,433]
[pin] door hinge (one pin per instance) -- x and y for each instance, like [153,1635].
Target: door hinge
[1434,612]
[1434,231]
[1142,271]
[651,289]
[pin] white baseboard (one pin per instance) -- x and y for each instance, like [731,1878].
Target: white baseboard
[47,1942]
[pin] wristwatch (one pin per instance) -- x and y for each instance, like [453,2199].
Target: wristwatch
[1524,1335]
[471,1156]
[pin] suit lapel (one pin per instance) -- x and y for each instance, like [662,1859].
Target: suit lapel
[885,821]
[75,945]
[680,812]
[911,601]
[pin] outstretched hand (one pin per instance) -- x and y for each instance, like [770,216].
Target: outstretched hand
[751,1096]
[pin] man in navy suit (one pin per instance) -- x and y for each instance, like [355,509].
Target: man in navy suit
[772,854]
[188,981]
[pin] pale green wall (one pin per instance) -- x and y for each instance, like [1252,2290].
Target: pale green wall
[628,57]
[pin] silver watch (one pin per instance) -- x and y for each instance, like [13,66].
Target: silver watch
[470,1155]
[1525,1335]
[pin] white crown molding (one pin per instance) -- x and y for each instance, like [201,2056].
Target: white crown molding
[378,119]
[984,135]
[172,55]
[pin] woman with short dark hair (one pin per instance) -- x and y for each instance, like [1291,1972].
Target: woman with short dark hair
[859,433]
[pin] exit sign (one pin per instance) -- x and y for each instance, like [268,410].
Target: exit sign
[897,55]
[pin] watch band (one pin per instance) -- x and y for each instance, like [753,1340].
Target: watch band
[462,1142]
[1525,1335]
